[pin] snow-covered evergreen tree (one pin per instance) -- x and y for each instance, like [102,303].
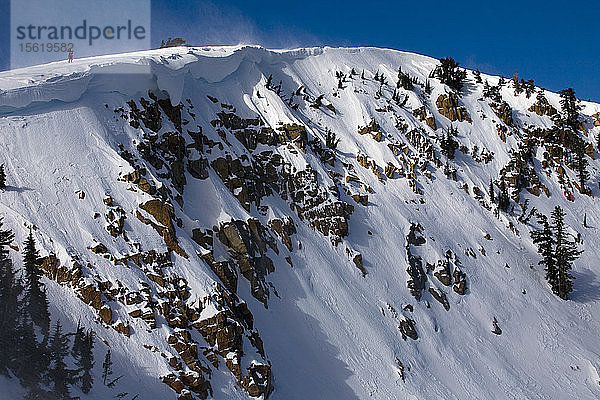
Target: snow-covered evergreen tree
[36,300]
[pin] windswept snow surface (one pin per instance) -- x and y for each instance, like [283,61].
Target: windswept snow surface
[330,333]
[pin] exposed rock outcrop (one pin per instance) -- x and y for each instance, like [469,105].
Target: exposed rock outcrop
[423,114]
[543,107]
[247,242]
[417,277]
[407,329]
[503,111]
[448,105]
[163,213]
[441,297]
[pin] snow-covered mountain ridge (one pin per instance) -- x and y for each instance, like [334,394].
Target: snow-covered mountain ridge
[237,222]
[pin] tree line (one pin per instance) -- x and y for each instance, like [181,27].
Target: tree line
[47,362]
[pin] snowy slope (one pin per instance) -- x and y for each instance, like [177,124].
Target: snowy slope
[328,330]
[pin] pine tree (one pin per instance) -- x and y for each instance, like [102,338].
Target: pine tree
[10,290]
[76,351]
[581,164]
[404,80]
[492,92]
[565,253]
[450,73]
[331,140]
[448,144]
[78,337]
[570,108]
[59,374]
[517,84]
[491,190]
[269,81]
[32,361]
[477,75]
[382,81]
[36,300]
[85,362]
[545,242]
[503,198]
[2,177]
[428,88]
[540,97]
[529,87]
[486,88]
[318,101]
[106,367]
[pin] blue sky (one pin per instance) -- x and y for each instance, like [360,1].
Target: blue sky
[555,43]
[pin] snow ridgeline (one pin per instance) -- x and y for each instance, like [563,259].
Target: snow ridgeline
[239,256]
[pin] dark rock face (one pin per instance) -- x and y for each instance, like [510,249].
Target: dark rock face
[258,380]
[357,260]
[137,177]
[99,249]
[448,272]
[198,168]
[149,114]
[296,134]
[407,329]
[284,228]
[225,335]
[417,277]
[262,174]
[248,131]
[204,239]
[227,274]
[443,273]
[372,128]
[163,213]
[417,280]
[249,177]
[247,242]
[167,149]
[362,199]
[225,270]
[61,274]
[195,382]
[496,329]
[320,206]
[173,113]
[160,161]
[415,235]
[250,182]
[460,282]
[441,297]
